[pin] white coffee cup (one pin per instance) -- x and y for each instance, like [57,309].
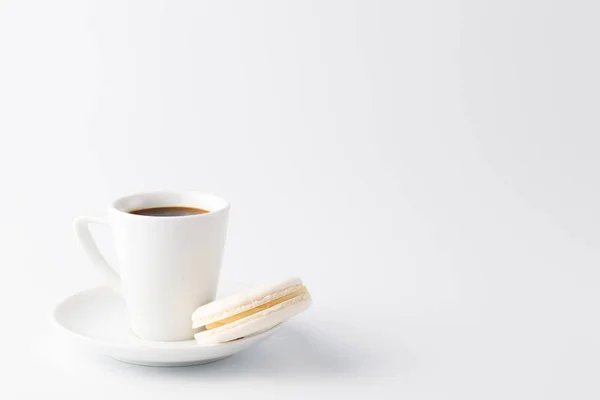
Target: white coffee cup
[168,266]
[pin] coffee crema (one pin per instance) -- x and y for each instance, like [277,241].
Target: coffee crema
[173,211]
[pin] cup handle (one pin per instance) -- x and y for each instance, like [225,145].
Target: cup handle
[81,225]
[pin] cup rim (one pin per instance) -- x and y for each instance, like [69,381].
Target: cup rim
[114,205]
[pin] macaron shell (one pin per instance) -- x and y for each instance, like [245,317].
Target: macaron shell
[240,302]
[255,323]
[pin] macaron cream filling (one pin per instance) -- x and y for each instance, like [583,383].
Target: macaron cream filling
[257,309]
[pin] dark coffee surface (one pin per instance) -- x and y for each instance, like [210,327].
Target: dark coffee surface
[168,211]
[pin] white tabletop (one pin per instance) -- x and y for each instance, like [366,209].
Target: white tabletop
[430,169]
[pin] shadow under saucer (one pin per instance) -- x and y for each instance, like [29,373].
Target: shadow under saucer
[293,352]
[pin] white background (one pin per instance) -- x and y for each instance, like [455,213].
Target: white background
[429,168]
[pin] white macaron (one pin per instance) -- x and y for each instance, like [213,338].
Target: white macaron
[250,312]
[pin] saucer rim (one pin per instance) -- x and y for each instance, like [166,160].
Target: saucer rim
[141,343]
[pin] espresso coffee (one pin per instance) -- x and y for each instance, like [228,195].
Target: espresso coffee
[168,211]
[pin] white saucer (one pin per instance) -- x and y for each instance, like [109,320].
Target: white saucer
[98,319]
